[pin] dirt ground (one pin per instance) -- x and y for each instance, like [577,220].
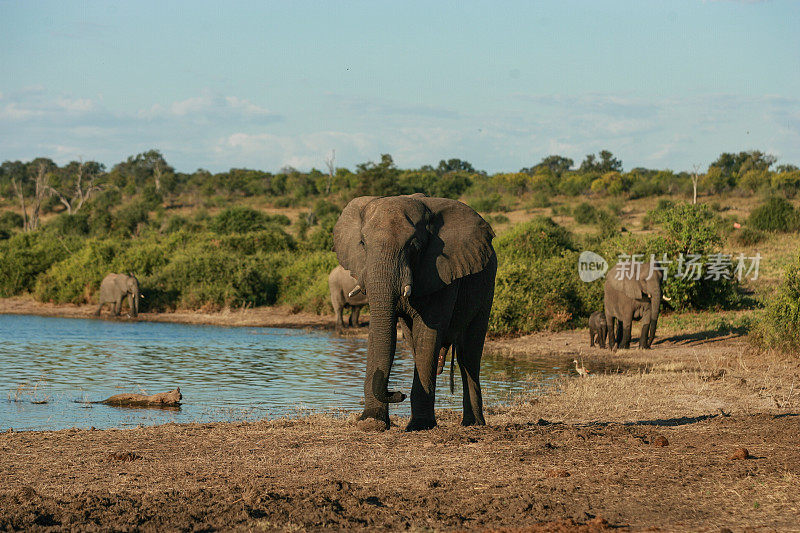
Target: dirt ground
[651,440]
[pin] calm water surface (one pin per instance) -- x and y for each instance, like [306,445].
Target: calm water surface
[50,368]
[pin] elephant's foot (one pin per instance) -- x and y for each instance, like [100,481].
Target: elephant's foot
[373,420]
[472,422]
[420,424]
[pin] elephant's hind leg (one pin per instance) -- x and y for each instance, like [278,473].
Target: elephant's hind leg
[99,308]
[468,353]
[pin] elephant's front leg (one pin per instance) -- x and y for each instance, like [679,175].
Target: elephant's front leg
[423,390]
[643,338]
[626,334]
[118,306]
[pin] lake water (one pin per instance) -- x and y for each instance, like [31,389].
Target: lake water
[50,368]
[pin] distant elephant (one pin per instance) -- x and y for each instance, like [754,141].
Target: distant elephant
[113,290]
[597,329]
[429,264]
[631,294]
[341,284]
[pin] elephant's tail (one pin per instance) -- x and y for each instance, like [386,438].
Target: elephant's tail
[452,368]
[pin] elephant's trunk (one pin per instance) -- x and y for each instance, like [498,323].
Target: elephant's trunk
[135,302]
[655,304]
[383,294]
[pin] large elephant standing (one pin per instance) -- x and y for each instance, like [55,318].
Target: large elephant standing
[341,285]
[115,288]
[429,264]
[632,293]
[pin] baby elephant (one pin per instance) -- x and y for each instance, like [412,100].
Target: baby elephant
[598,329]
[343,294]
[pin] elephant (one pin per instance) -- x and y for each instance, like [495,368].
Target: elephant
[113,290]
[429,264]
[630,294]
[597,329]
[341,284]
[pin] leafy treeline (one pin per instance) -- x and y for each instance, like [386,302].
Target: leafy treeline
[40,186]
[193,244]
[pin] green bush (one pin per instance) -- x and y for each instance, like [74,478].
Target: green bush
[536,239]
[584,213]
[304,282]
[78,276]
[270,239]
[542,294]
[131,219]
[776,214]
[25,256]
[243,220]
[748,237]
[490,203]
[10,220]
[779,326]
[77,224]
[213,280]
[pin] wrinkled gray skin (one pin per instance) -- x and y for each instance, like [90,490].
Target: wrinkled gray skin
[341,283]
[115,288]
[597,329]
[625,300]
[429,264]
[641,309]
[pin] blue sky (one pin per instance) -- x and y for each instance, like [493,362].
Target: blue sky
[215,85]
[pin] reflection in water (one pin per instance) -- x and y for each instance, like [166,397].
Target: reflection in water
[223,373]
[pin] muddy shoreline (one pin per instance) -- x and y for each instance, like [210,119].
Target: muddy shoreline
[652,447]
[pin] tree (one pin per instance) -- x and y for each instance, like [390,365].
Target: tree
[329,162]
[607,163]
[695,177]
[79,177]
[378,179]
[556,164]
[454,165]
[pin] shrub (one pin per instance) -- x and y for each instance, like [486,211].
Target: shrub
[10,220]
[536,239]
[25,256]
[304,282]
[776,214]
[779,326]
[748,237]
[692,229]
[584,213]
[488,204]
[243,220]
[77,224]
[543,294]
[130,219]
[270,239]
[212,280]
[78,276]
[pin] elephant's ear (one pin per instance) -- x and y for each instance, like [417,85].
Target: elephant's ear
[460,244]
[629,287]
[347,236]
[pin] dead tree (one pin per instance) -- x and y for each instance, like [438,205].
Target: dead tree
[81,195]
[21,195]
[695,177]
[329,162]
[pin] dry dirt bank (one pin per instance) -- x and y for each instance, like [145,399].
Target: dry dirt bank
[580,456]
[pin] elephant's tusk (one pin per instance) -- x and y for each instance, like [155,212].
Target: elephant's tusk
[406,291]
[667,298]
[354,291]
[141,296]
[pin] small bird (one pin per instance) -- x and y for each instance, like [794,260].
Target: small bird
[582,372]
